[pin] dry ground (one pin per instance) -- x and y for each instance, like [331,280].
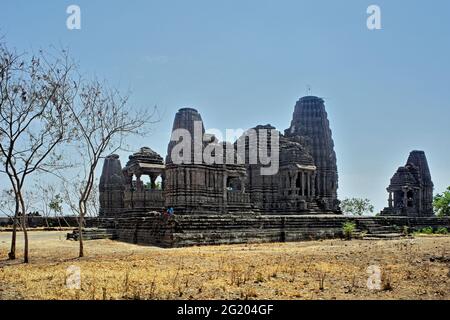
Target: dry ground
[334,269]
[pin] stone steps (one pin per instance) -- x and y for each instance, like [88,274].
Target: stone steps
[92,234]
[377,229]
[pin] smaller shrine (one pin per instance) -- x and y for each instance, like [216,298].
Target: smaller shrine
[411,189]
[140,196]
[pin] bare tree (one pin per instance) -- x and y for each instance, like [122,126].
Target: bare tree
[102,118]
[71,195]
[35,94]
[7,203]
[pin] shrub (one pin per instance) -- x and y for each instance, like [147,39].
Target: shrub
[442,231]
[441,204]
[348,229]
[427,230]
[405,230]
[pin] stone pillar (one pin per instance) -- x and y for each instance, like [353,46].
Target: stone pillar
[309,184]
[390,199]
[242,185]
[405,198]
[303,183]
[295,182]
[138,182]
[313,184]
[291,180]
[153,181]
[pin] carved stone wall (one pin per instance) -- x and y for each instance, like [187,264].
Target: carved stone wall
[292,189]
[194,186]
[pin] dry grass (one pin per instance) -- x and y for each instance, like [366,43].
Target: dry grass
[332,269]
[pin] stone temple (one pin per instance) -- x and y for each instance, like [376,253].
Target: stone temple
[230,200]
[411,189]
[306,182]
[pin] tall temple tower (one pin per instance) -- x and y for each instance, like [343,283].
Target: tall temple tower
[419,159]
[188,119]
[310,122]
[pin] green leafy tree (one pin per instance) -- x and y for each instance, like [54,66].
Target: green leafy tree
[357,206]
[441,204]
[56,204]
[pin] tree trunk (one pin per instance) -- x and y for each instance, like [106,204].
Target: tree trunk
[25,236]
[59,222]
[80,230]
[80,237]
[24,228]
[12,253]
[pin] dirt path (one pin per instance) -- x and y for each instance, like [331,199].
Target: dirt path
[332,269]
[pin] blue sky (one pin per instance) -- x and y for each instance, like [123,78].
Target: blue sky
[243,63]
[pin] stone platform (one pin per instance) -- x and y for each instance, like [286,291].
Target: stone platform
[194,230]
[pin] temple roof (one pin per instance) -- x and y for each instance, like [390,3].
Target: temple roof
[293,152]
[145,156]
[415,173]
[404,177]
[311,99]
